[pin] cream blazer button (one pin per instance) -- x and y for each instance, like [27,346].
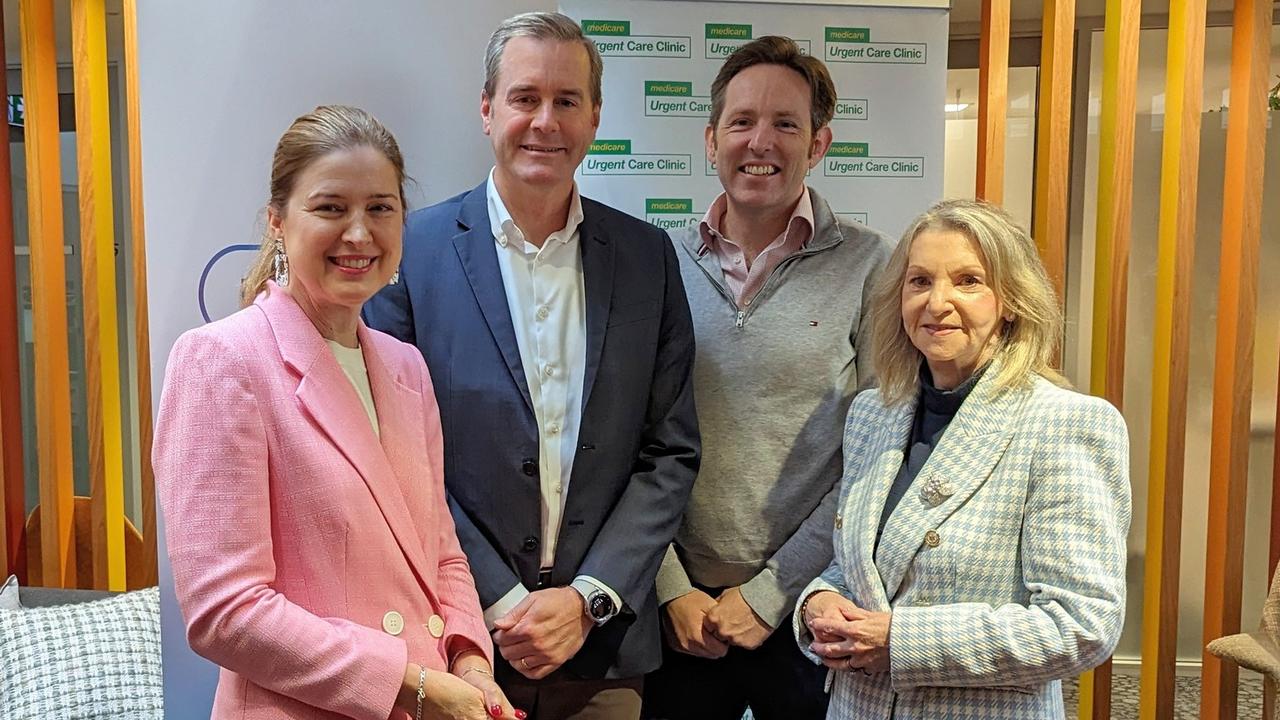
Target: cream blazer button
[435,626]
[393,622]
[932,539]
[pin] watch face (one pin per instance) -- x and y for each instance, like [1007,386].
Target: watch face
[601,606]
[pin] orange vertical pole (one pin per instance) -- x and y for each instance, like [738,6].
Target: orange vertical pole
[48,293]
[993,98]
[12,493]
[142,332]
[1233,367]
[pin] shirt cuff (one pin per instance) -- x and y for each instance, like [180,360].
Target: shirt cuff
[672,581]
[586,585]
[504,605]
[767,598]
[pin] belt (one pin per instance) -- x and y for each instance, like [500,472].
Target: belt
[544,578]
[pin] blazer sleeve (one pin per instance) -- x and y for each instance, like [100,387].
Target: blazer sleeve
[630,546]
[211,469]
[1073,565]
[457,590]
[831,579]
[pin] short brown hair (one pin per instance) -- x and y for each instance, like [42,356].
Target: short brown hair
[778,50]
[540,26]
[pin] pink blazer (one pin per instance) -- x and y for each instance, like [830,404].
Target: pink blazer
[310,560]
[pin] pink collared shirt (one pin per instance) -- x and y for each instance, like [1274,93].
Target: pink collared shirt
[745,281]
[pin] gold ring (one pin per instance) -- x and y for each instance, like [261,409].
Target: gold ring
[524,663]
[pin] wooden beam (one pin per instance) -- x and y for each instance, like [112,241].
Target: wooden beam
[102,333]
[1233,365]
[993,99]
[1053,139]
[12,478]
[1176,238]
[1115,197]
[48,292]
[142,332]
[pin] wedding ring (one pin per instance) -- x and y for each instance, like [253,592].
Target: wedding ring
[524,663]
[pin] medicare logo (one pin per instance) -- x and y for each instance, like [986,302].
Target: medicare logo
[723,38]
[673,98]
[671,213]
[613,38]
[614,157]
[851,109]
[854,45]
[854,160]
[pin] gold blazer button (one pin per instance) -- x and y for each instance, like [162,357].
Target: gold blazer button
[932,539]
[393,622]
[839,522]
[435,626]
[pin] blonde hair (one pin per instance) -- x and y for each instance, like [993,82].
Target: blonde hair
[326,129]
[1025,346]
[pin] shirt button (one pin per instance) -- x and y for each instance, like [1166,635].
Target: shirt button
[557,488]
[393,622]
[737,261]
[549,370]
[553,429]
[543,312]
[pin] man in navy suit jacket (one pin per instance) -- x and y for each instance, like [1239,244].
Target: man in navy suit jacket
[561,349]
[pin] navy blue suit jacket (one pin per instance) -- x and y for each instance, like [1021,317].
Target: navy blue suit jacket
[638,447]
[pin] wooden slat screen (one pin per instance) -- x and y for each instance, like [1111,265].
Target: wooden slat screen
[993,98]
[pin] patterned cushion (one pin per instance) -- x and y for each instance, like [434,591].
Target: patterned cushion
[9,594]
[87,661]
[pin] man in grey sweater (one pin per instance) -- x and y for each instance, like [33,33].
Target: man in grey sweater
[778,287]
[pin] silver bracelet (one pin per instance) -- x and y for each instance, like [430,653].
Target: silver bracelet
[476,668]
[422,691]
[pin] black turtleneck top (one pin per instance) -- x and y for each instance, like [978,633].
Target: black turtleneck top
[934,411]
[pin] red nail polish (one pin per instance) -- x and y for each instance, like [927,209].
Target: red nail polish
[520,714]
[495,711]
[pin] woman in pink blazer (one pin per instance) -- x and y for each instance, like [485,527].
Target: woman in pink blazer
[299,465]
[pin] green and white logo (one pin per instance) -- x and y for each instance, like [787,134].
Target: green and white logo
[854,160]
[613,38]
[851,109]
[854,45]
[723,38]
[671,213]
[674,98]
[614,157]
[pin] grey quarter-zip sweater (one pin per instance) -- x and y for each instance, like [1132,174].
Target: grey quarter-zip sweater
[773,381]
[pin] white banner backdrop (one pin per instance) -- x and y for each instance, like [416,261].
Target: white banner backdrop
[889,66]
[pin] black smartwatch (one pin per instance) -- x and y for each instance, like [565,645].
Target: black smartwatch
[600,607]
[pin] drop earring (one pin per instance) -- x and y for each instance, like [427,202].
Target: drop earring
[281,265]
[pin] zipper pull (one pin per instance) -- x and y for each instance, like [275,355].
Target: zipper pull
[742,315]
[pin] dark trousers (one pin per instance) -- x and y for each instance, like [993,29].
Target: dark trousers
[775,680]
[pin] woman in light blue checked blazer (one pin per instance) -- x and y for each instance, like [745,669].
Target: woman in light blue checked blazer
[980,531]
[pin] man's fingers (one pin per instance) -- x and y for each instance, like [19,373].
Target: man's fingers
[513,616]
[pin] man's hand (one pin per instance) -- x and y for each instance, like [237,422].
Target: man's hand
[547,628]
[734,622]
[684,623]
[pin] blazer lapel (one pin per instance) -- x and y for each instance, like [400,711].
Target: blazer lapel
[973,443]
[597,281]
[479,257]
[884,468]
[326,394]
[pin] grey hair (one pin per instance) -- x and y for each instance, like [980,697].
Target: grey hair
[540,26]
[1026,346]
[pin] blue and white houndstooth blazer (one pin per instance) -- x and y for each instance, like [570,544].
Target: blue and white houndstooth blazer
[1026,500]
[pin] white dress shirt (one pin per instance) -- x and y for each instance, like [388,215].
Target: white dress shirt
[545,296]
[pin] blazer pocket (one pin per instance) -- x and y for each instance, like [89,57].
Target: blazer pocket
[633,312]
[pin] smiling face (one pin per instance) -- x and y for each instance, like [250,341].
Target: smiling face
[949,307]
[762,144]
[540,119]
[341,226]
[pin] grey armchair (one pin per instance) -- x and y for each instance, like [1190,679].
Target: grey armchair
[1258,650]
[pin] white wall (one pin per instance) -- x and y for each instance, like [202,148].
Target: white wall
[218,84]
